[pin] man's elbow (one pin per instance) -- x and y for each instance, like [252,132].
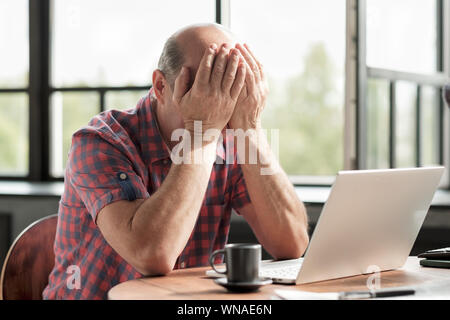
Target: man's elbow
[154,264]
[301,246]
[294,249]
[301,243]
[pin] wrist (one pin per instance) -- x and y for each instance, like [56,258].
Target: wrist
[246,125]
[257,153]
[200,127]
[195,147]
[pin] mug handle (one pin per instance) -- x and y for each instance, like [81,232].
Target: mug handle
[211,260]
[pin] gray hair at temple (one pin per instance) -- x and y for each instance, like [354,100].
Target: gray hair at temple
[171,60]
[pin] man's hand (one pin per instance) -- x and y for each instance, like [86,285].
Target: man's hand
[252,98]
[275,214]
[215,90]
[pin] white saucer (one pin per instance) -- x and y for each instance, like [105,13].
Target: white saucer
[243,286]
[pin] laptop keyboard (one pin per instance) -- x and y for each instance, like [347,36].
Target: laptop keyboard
[280,271]
[286,269]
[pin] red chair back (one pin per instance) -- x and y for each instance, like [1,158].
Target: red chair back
[29,262]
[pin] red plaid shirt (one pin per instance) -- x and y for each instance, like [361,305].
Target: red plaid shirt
[121,155]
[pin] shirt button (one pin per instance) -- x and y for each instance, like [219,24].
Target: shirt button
[122,176]
[182,265]
[165,161]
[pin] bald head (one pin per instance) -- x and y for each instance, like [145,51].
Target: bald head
[186,47]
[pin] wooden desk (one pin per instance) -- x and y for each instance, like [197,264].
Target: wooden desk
[188,284]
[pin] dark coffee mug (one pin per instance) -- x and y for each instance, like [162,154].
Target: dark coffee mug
[241,261]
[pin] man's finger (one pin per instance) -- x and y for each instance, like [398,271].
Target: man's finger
[220,64]
[260,66]
[230,73]
[250,79]
[250,61]
[205,67]
[181,84]
[238,82]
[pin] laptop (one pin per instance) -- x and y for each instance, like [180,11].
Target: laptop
[369,223]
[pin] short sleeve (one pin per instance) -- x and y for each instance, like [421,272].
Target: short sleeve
[239,196]
[100,173]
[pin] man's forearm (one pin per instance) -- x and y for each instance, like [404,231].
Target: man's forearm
[164,222]
[279,211]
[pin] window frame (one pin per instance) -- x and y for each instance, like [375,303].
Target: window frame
[358,73]
[40,90]
[27,90]
[296,180]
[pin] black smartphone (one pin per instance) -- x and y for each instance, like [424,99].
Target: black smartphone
[437,254]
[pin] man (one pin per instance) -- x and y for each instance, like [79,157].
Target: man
[128,212]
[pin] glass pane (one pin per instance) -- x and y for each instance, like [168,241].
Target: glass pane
[116,43]
[304,61]
[122,100]
[14,134]
[69,112]
[401,35]
[405,100]
[378,124]
[14,43]
[430,126]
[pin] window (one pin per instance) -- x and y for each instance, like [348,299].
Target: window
[69,112]
[402,70]
[377,124]
[103,55]
[402,35]
[354,84]
[122,99]
[114,42]
[13,88]
[304,59]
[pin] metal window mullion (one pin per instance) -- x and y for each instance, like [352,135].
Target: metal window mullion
[440,16]
[392,125]
[419,126]
[218,11]
[78,89]
[102,99]
[437,79]
[223,12]
[440,35]
[14,90]
[443,113]
[351,86]
[441,128]
[361,110]
[445,37]
[39,73]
